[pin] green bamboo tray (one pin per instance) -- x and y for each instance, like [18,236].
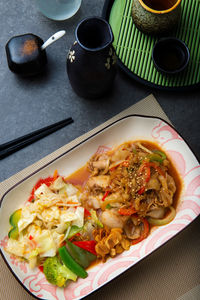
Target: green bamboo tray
[134,48]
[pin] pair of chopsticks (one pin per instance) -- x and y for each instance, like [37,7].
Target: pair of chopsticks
[16,144]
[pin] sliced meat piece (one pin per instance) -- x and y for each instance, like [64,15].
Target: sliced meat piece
[166,197]
[112,220]
[163,182]
[171,184]
[94,202]
[120,154]
[101,166]
[132,231]
[101,181]
[153,184]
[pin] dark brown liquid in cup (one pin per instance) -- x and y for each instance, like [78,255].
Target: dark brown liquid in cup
[172,59]
[160,4]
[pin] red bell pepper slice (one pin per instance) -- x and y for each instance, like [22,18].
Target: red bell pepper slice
[153,165]
[127,211]
[125,163]
[105,195]
[157,168]
[145,232]
[145,167]
[74,236]
[41,268]
[141,190]
[48,181]
[87,213]
[87,245]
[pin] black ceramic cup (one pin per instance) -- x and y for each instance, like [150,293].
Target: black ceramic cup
[170,55]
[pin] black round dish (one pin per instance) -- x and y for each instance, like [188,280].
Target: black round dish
[106,14]
[170,55]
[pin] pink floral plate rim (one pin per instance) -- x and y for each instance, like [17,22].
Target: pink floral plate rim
[139,250]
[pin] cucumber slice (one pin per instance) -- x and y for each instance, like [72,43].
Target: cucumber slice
[15,217]
[13,233]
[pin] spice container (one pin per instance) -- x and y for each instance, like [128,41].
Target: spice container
[25,56]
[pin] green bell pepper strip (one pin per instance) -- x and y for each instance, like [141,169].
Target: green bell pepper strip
[155,157]
[158,156]
[162,154]
[71,263]
[74,230]
[81,256]
[134,151]
[108,206]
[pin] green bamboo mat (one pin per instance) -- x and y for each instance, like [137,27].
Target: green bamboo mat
[134,48]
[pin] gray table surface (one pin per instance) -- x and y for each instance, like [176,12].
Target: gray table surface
[29,104]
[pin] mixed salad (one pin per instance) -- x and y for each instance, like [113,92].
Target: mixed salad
[43,231]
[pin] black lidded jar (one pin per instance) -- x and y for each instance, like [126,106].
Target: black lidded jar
[91,62]
[25,56]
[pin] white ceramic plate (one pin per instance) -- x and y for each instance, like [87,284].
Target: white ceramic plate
[129,128]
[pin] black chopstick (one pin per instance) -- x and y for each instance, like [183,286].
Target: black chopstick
[16,144]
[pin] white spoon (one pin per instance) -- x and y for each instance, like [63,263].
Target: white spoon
[53,38]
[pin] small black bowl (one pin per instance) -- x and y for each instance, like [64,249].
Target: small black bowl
[170,55]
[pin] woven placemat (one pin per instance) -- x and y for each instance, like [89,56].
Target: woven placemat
[134,48]
[171,272]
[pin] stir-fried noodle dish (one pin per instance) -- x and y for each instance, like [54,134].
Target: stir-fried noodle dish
[67,224]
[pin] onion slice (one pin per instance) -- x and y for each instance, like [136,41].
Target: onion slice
[116,164]
[165,220]
[144,148]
